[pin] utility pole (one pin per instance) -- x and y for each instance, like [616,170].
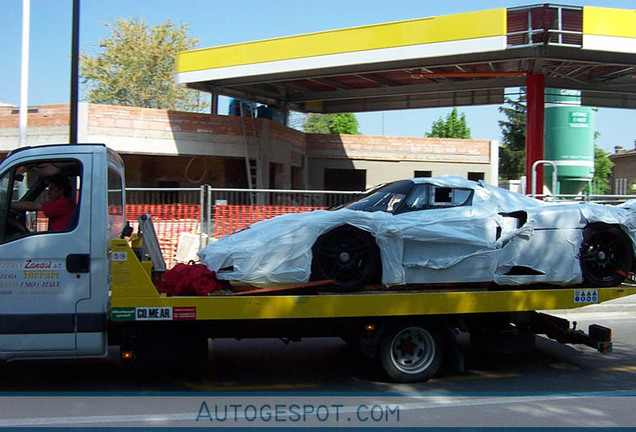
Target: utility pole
[75,72]
[24,78]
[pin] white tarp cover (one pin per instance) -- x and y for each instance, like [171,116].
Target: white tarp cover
[442,245]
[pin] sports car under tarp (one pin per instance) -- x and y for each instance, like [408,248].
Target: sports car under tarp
[435,230]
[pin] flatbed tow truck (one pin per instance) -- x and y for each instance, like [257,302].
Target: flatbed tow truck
[72,293]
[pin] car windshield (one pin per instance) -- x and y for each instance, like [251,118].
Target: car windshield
[405,196]
[386,198]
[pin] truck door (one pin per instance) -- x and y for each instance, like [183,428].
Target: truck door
[45,240]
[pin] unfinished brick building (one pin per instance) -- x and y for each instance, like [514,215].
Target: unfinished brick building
[177,149]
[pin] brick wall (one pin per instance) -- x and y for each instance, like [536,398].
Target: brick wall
[46,115]
[397,148]
[624,168]
[316,145]
[279,132]
[109,116]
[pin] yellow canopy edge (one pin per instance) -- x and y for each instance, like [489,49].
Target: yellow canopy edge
[609,22]
[445,28]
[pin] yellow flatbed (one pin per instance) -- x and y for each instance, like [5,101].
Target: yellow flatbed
[134,297]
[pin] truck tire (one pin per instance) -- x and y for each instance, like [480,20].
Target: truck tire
[411,353]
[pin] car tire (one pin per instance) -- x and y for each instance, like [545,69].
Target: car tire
[411,353]
[347,255]
[606,256]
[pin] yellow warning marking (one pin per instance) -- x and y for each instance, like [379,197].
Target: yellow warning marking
[619,369]
[476,376]
[265,387]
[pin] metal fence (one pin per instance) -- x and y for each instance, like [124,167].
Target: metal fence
[164,195]
[211,213]
[585,198]
[278,197]
[622,186]
[208,196]
[545,25]
[221,206]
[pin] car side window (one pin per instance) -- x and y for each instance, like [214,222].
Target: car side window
[427,196]
[450,197]
[418,199]
[40,197]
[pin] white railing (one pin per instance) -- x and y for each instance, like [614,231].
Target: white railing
[549,28]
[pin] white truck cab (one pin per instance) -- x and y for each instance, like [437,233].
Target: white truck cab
[55,280]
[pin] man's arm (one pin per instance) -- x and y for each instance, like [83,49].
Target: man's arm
[26,206]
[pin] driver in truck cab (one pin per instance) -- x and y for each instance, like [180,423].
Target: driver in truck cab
[58,208]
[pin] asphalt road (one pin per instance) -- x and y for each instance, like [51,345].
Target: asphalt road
[323,382]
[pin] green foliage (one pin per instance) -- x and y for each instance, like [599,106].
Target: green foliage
[512,152]
[602,170]
[454,126]
[513,129]
[512,163]
[135,67]
[344,123]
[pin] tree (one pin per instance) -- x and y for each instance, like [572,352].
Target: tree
[344,123]
[512,152]
[135,67]
[455,126]
[602,169]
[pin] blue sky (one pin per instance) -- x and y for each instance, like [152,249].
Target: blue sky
[224,22]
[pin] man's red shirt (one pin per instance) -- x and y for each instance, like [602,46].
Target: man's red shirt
[59,212]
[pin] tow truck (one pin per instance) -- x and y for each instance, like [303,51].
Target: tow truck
[72,293]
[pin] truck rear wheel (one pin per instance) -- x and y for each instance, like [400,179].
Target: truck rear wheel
[411,353]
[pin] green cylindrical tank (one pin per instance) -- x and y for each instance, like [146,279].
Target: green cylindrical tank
[569,141]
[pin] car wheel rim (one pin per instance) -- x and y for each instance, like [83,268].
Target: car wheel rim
[413,350]
[345,257]
[605,254]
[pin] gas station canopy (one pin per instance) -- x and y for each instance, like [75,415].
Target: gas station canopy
[451,60]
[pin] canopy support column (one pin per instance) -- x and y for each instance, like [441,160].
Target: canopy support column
[535,83]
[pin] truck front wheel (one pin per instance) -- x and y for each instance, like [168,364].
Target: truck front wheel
[411,353]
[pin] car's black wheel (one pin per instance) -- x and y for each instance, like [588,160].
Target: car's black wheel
[347,255]
[411,353]
[606,255]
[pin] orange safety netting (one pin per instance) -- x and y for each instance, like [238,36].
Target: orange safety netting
[232,218]
[169,221]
